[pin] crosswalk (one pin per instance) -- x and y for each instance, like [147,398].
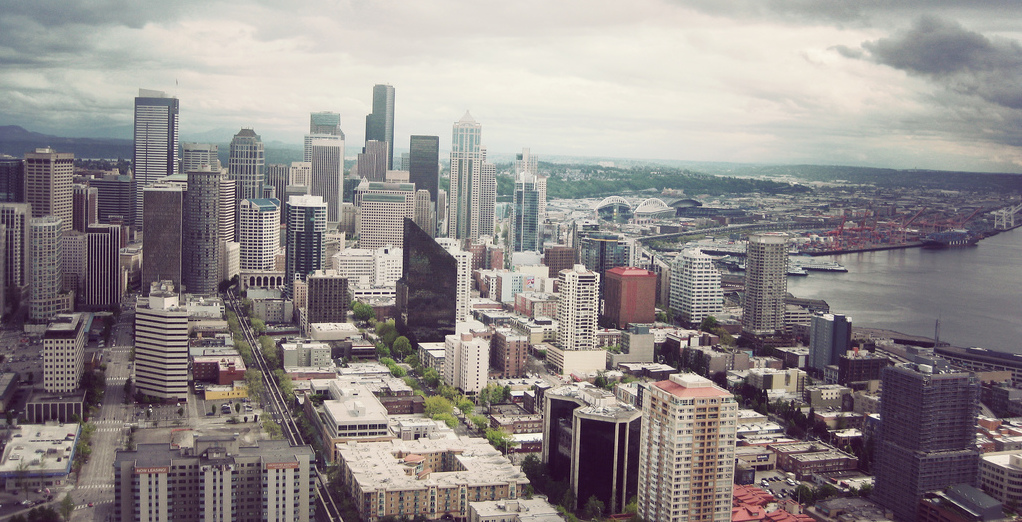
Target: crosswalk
[96,486]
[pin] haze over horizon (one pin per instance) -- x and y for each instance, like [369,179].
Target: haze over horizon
[902,84]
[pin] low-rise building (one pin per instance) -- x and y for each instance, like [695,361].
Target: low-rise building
[825,396]
[352,413]
[1000,475]
[223,370]
[521,510]
[216,479]
[305,353]
[38,456]
[806,458]
[426,478]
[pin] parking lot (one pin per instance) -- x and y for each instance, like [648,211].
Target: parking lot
[777,482]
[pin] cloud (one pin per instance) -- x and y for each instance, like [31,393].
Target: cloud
[963,61]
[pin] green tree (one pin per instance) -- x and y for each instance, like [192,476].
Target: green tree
[593,508]
[436,405]
[272,429]
[237,407]
[865,490]
[466,406]
[382,351]
[448,419]
[362,311]
[480,422]
[448,392]
[431,377]
[402,347]
[67,507]
[258,325]
[501,439]
[254,380]
[709,324]
[286,386]
[568,500]
[387,332]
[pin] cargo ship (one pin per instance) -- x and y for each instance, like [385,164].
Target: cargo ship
[951,239]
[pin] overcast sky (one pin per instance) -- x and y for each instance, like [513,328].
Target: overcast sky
[895,83]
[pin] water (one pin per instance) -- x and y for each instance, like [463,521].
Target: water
[976,292]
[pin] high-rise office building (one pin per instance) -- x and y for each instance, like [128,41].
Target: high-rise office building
[629,297]
[525,214]
[328,297]
[372,161]
[830,337]
[380,124]
[216,479]
[12,179]
[45,259]
[202,248]
[163,226]
[557,258]
[196,155]
[246,164]
[382,209]
[424,164]
[695,286]
[325,123]
[228,210]
[687,451]
[601,251]
[577,309]
[425,213]
[101,287]
[525,161]
[84,206]
[306,230]
[259,233]
[156,142]
[64,352]
[591,440]
[926,439]
[161,344]
[427,293]
[17,281]
[327,173]
[48,177]
[115,197]
[473,183]
[766,284]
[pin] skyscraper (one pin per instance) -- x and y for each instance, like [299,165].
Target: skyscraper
[926,439]
[473,183]
[202,248]
[15,218]
[382,209]
[525,214]
[195,155]
[84,206]
[116,197]
[687,451]
[100,288]
[766,284]
[601,251]
[327,173]
[577,309]
[161,344]
[427,293]
[830,337]
[328,297]
[325,123]
[12,180]
[45,260]
[380,124]
[163,226]
[695,286]
[48,177]
[259,233]
[156,139]
[306,228]
[246,164]
[372,161]
[424,168]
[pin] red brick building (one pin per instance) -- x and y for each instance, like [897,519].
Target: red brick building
[629,296]
[220,370]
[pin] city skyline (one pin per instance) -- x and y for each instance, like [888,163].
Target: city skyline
[900,85]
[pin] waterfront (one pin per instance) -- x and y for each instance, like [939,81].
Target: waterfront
[976,291]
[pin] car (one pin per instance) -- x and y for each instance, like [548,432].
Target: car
[91,504]
[210,414]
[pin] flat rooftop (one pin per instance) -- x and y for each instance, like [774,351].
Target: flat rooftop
[47,449]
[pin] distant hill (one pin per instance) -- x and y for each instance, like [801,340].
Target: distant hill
[16,141]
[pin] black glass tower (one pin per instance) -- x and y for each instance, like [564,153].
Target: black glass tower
[12,180]
[424,168]
[427,292]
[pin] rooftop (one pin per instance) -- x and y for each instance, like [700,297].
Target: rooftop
[44,449]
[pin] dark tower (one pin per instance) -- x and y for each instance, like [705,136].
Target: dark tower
[427,293]
[380,124]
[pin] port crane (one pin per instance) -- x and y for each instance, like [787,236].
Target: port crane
[1004,219]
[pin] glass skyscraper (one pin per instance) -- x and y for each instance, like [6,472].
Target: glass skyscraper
[380,124]
[427,293]
[306,228]
[156,142]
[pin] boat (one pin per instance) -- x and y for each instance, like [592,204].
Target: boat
[813,263]
[951,239]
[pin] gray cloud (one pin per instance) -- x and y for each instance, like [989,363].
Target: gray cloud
[962,60]
[847,13]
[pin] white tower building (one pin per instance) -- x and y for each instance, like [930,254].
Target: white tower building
[464,260]
[766,284]
[63,353]
[259,233]
[161,344]
[578,308]
[695,286]
[466,362]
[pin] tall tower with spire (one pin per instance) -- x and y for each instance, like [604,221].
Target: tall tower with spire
[473,183]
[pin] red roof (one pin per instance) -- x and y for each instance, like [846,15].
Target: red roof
[747,514]
[630,271]
[680,391]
